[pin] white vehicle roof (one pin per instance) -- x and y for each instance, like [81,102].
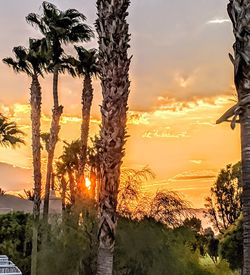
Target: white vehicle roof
[7,267]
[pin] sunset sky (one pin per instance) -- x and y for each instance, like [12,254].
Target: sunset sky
[182,81]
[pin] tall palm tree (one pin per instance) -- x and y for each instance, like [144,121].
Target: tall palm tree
[112,28]
[10,134]
[86,66]
[31,61]
[239,12]
[58,27]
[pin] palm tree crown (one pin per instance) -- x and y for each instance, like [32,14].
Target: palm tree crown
[10,134]
[30,61]
[60,27]
[87,62]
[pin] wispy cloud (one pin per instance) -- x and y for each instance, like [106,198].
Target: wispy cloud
[164,133]
[218,21]
[196,161]
[195,175]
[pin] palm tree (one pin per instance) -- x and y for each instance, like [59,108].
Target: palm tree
[70,161]
[31,61]
[86,66]
[239,12]
[10,134]
[58,27]
[112,29]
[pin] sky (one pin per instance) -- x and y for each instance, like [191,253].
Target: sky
[181,82]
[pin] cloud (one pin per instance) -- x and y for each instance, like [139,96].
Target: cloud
[138,118]
[196,161]
[195,175]
[184,80]
[164,133]
[218,21]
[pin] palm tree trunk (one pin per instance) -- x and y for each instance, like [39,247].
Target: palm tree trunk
[54,132]
[112,29]
[245,141]
[238,11]
[63,195]
[87,98]
[35,101]
[72,187]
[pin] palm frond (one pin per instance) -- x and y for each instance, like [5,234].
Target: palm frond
[10,134]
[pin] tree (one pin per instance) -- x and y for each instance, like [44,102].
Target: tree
[58,27]
[169,208]
[86,66]
[130,193]
[112,29]
[224,206]
[2,192]
[28,195]
[231,245]
[10,134]
[239,11]
[31,61]
[70,161]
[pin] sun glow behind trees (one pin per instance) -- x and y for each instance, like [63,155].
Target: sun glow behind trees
[88,183]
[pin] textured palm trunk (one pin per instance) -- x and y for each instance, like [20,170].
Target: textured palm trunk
[54,132]
[63,195]
[245,141]
[35,101]
[72,187]
[239,12]
[112,29]
[87,98]
[93,183]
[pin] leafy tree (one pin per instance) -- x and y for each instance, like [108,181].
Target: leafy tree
[169,208]
[148,247]
[58,27]
[231,245]
[2,192]
[130,192]
[224,206]
[193,223]
[15,239]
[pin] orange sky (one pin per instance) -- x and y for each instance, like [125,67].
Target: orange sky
[181,83]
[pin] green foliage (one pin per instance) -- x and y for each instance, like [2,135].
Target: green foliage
[231,245]
[143,247]
[15,239]
[225,206]
[71,247]
[148,247]
[193,223]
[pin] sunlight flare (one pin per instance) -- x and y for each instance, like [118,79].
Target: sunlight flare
[88,183]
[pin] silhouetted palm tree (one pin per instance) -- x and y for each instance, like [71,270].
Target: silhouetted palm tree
[239,12]
[112,29]
[85,66]
[31,61]
[58,27]
[70,161]
[10,134]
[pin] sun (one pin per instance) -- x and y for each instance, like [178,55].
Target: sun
[88,183]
